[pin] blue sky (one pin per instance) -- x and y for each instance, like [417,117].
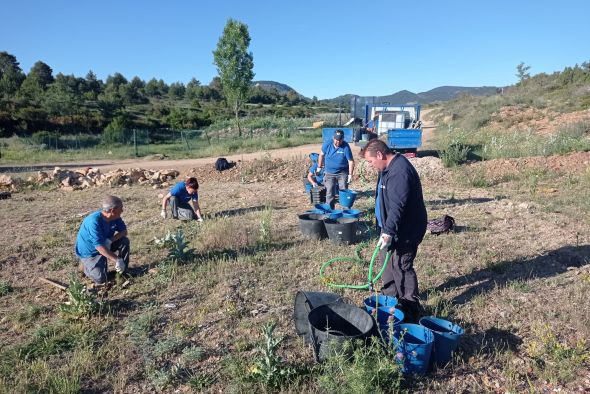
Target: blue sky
[320,48]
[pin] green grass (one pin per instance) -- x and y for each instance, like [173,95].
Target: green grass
[280,133]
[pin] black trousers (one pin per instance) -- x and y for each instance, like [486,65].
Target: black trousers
[400,280]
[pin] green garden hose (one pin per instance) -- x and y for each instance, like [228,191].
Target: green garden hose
[357,260]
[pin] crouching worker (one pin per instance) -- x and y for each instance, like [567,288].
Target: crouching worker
[102,237]
[179,197]
[314,177]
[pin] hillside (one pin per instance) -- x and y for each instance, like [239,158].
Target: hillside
[441,93]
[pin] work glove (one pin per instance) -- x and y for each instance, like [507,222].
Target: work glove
[120,265]
[163,214]
[384,241]
[318,170]
[199,219]
[107,243]
[349,178]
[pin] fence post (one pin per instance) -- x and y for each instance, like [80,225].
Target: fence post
[135,141]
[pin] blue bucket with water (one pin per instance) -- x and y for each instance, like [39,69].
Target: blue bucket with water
[351,213]
[413,345]
[446,338]
[346,197]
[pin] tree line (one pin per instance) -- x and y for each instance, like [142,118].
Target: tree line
[39,100]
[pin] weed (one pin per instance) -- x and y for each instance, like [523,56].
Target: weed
[371,369]
[60,263]
[55,339]
[265,233]
[167,346]
[200,381]
[455,154]
[80,304]
[553,356]
[28,314]
[140,327]
[270,369]
[5,288]
[191,354]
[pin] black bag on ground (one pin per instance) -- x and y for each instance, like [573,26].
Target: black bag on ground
[441,225]
[222,164]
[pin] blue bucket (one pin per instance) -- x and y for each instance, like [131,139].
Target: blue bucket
[446,337]
[413,346]
[379,301]
[351,213]
[315,211]
[346,197]
[323,207]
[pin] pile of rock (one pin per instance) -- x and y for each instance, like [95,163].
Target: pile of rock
[92,177]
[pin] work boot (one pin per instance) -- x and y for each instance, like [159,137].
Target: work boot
[412,310]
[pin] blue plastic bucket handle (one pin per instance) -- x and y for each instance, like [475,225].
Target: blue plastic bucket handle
[446,337]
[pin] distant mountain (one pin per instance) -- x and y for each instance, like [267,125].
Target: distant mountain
[442,93]
[272,85]
[445,93]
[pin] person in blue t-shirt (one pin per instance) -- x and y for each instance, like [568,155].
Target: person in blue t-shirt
[314,177]
[339,165]
[102,237]
[179,196]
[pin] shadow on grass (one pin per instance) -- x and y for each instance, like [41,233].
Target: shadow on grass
[461,201]
[240,211]
[500,274]
[489,342]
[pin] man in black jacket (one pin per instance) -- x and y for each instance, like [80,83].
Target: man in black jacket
[401,217]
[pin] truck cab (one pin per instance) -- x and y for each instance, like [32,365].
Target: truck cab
[400,125]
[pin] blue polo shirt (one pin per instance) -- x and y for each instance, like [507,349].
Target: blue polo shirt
[179,191]
[94,231]
[336,159]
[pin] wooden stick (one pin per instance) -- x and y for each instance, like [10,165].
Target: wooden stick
[54,283]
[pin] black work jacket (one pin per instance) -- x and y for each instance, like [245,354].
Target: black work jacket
[403,213]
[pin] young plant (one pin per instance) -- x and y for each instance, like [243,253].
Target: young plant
[178,249]
[270,369]
[80,303]
[5,288]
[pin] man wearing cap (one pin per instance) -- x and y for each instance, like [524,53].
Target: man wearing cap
[339,165]
[103,236]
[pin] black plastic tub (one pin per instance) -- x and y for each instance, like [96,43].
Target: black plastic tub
[312,225]
[341,231]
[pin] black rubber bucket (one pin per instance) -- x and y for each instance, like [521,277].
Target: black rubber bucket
[333,324]
[312,226]
[341,231]
[305,302]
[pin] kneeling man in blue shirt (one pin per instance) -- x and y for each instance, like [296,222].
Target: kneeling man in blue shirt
[103,236]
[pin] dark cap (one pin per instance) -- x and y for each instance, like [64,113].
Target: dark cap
[338,135]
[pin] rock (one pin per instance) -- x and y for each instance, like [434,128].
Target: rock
[6,180]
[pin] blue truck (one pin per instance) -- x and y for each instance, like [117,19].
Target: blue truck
[399,125]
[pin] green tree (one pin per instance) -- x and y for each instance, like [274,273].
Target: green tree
[192,89]
[42,73]
[522,72]
[176,90]
[11,75]
[234,65]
